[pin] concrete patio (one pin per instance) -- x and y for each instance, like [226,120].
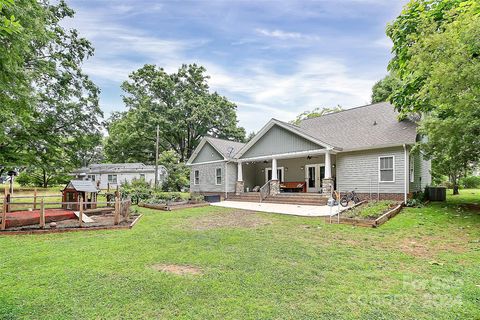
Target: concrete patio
[290,209]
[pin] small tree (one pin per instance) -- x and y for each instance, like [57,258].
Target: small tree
[177,173]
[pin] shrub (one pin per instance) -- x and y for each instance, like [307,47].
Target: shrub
[138,190]
[470,182]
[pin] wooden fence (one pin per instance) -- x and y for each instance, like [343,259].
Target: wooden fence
[121,207]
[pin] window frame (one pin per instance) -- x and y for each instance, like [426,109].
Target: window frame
[112,175]
[380,169]
[92,177]
[216,176]
[196,177]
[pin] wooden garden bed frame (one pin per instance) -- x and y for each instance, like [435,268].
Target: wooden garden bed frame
[121,210]
[172,206]
[372,223]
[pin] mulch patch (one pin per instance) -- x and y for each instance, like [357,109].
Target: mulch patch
[232,219]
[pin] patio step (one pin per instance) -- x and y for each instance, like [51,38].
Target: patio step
[300,199]
[248,197]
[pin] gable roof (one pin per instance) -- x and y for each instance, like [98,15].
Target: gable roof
[296,130]
[364,127]
[82,186]
[226,148]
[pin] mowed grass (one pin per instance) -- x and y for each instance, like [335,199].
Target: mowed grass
[423,264]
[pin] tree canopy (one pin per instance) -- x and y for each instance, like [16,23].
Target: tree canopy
[50,111]
[384,88]
[317,112]
[437,58]
[180,104]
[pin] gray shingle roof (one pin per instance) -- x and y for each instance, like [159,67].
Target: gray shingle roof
[82,185]
[227,148]
[117,167]
[370,126]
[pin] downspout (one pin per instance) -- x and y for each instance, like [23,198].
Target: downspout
[405,164]
[226,180]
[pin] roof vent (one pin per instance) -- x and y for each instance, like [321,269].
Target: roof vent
[375,122]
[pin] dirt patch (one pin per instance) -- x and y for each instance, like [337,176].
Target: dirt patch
[430,246]
[473,207]
[233,219]
[180,270]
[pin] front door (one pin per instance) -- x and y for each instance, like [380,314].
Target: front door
[268,174]
[314,174]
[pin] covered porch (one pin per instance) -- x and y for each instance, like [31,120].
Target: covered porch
[295,173]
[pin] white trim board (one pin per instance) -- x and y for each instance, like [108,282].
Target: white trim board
[199,148]
[393,168]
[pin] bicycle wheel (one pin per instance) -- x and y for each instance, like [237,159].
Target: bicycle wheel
[344,201]
[356,199]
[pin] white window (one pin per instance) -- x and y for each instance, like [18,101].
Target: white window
[142,176]
[196,177]
[112,178]
[91,177]
[411,165]
[218,176]
[386,168]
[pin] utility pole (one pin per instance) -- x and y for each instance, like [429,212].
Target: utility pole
[156,158]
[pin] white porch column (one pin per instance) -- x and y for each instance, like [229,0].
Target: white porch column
[239,171]
[274,169]
[328,165]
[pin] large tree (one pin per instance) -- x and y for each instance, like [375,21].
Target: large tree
[50,113]
[317,112]
[182,107]
[384,88]
[437,58]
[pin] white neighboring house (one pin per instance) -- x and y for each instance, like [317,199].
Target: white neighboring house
[115,174]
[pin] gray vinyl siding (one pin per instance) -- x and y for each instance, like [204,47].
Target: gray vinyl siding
[208,177]
[415,186]
[207,153]
[279,140]
[425,173]
[359,171]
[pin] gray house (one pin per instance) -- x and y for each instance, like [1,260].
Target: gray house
[366,149]
[112,175]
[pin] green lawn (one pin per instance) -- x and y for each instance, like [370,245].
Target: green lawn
[423,264]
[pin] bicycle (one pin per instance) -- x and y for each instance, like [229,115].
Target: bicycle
[349,196]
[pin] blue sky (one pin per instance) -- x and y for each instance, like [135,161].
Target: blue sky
[274,59]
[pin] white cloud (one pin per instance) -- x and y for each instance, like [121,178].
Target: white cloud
[260,90]
[284,35]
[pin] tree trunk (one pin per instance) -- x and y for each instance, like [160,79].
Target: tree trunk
[455,189]
[45,182]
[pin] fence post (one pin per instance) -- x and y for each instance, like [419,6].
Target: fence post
[4,214]
[7,200]
[116,219]
[80,214]
[35,199]
[42,214]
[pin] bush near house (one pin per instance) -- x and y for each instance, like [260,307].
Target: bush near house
[140,191]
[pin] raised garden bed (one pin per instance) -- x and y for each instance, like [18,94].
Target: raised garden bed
[100,222]
[369,213]
[177,205]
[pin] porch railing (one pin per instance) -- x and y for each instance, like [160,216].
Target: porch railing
[265,190]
